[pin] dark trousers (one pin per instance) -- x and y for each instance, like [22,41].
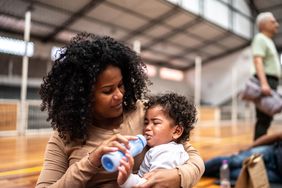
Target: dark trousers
[235,163]
[263,120]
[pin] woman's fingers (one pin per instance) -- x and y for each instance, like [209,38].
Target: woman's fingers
[109,149]
[124,139]
[116,142]
[148,175]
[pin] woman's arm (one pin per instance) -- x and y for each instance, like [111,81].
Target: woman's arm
[193,169]
[56,171]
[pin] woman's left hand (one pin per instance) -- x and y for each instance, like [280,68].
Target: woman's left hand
[161,178]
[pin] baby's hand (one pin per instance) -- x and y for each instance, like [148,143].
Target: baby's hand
[125,168]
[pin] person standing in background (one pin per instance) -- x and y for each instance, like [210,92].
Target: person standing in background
[267,65]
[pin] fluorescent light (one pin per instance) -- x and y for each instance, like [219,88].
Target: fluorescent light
[171,74]
[15,47]
[151,70]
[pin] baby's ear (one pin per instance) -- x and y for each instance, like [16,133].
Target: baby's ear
[178,130]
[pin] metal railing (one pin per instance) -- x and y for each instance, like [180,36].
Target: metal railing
[10,118]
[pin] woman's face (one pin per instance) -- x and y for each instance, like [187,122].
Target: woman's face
[159,127]
[108,94]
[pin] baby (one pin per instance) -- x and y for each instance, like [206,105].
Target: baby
[168,121]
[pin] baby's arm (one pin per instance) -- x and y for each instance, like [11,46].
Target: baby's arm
[125,177]
[133,180]
[125,168]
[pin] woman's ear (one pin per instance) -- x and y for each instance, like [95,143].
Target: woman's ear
[178,130]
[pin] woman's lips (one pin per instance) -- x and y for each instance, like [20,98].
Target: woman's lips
[118,106]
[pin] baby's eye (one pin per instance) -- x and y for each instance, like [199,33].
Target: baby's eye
[156,122]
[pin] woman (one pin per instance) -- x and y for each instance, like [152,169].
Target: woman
[93,96]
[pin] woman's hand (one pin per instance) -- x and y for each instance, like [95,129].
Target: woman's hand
[161,178]
[115,143]
[125,168]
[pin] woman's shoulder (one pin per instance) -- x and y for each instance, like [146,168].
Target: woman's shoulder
[64,143]
[56,138]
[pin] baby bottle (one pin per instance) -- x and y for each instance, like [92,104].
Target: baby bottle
[111,161]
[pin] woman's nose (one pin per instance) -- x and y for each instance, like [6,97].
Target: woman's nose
[118,95]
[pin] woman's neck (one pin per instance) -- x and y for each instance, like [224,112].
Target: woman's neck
[109,123]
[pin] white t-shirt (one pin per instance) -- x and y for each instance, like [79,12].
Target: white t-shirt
[164,156]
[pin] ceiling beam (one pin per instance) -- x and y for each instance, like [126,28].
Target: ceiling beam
[253,7]
[161,64]
[224,54]
[228,52]
[172,33]
[94,20]
[151,23]
[73,18]
[39,23]
[271,8]
[197,48]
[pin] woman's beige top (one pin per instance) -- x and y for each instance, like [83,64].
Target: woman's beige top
[67,164]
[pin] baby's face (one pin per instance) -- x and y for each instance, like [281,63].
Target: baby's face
[159,127]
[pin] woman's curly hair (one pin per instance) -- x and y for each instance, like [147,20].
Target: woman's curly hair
[66,90]
[178,108]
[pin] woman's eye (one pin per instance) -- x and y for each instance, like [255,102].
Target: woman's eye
[108,91]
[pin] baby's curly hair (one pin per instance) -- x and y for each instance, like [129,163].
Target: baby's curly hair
[177,107]
[66,90]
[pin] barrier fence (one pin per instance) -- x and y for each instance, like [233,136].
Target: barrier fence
[10,117]
[35,120]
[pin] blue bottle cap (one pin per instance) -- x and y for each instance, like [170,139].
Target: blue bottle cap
[143,139]
[110,161]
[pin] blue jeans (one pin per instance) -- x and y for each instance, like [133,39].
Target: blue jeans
[235,163]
